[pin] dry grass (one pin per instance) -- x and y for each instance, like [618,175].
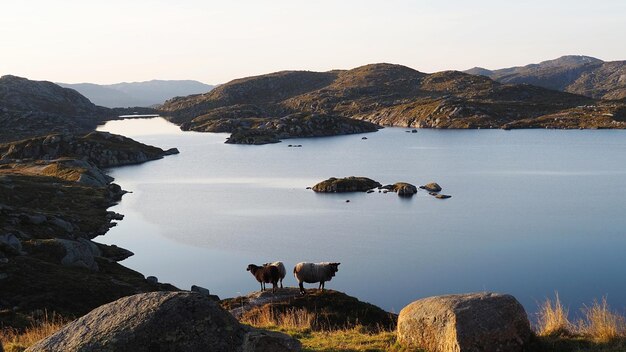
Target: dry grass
[291,319]
[553,318]
[304,325]
[602,324]
[14,340]
[599,329]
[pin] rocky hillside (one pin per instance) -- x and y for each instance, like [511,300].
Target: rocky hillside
[33,108]
[100,148]
[138,94]
[574,74]
[385,95]
[53,202]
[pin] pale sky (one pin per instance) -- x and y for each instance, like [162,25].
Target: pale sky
[113,41]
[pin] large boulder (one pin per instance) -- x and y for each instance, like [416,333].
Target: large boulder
[485,322]
[347,184]
[163,321]
[81,253]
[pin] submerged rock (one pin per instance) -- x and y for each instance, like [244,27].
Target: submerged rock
[486,322]
[347,184]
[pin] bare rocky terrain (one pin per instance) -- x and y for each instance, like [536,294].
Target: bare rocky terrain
[582,75]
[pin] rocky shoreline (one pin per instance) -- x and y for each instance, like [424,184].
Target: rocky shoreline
[54,200]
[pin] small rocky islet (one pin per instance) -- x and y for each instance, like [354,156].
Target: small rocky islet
[364,184]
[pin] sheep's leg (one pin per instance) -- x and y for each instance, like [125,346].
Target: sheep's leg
[281,283]
[274,286]
[301,287]
[322,286]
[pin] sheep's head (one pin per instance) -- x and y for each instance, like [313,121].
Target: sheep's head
[250,267]
[334,267]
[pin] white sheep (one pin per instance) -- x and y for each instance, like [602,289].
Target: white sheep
[314,272]
[281,270]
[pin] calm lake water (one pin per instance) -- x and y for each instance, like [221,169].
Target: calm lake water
[532,212]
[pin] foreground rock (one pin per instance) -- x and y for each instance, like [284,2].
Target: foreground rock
[163,321]
[486,322]
[329,309]
[347,184]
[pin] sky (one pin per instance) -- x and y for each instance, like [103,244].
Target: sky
[74,41]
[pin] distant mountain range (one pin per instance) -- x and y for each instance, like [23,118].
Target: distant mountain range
[137,94]
[583,75]
[387,95]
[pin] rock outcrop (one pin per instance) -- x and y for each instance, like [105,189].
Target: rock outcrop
[272,130]
[103,149]
[331,309]
[486,322]
[346,184]
[163,321]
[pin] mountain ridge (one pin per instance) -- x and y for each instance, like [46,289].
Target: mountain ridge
[577,74]
[138,94]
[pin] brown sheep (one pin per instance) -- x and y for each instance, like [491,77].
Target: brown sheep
[265,274]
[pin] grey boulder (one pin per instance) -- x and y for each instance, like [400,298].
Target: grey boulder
[163,321]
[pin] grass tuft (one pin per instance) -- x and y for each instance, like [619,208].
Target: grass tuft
[14,340]
[552,318]
[601,324]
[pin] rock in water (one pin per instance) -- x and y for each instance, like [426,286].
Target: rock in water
[431,187]
[347,184]
[163,321]
[486,322]
[404,189]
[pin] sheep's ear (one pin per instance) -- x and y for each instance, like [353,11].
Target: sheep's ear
[336,264]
